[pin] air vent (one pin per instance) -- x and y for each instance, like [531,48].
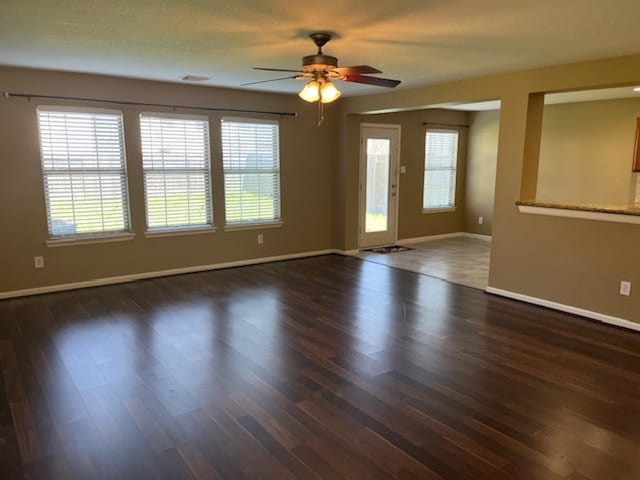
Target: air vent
[194,78]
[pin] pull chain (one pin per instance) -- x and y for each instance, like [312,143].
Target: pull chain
[320,113]
[320,106]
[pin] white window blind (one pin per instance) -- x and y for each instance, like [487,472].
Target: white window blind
[176,164]
[83,164]
[441,154]
[251,164]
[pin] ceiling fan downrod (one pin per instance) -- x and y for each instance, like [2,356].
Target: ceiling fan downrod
[320,39]
[319,60]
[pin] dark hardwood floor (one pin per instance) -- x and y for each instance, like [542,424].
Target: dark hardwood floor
[327,367]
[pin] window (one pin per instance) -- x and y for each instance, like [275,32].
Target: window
[83,165]
[441,154]
[176,165]
[250,158]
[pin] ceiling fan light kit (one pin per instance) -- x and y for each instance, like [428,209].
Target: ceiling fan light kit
[322,90]
[321,69]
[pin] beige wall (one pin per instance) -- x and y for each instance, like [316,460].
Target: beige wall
[586,152]
[308,157]
[412,222]
[481,171]
[568,261]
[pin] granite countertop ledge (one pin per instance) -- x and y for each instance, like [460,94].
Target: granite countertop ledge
[615,209]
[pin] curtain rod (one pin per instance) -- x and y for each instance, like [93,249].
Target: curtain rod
[122,102]
[445,124]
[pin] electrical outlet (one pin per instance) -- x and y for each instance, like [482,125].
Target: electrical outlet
[480,220]
[38,262]
[625,288]
[260,239]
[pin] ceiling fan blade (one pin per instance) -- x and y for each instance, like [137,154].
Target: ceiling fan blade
[380,82]
[356,70]
[275,69]
[270,80]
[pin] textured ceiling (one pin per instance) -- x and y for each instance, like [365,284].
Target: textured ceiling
[417,41]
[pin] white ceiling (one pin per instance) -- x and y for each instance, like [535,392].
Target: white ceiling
[420,42]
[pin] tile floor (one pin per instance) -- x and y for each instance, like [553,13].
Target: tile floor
[461,260]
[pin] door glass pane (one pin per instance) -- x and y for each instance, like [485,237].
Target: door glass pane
[377,187]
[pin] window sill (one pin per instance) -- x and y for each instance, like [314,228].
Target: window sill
[178,232]
[72,241]
[439,210]
[253,226]
[619,214]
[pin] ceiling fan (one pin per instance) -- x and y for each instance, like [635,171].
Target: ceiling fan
[320,69]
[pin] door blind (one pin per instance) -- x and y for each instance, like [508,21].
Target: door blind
[176,164]
[251,164]
[83,164]
[441,152]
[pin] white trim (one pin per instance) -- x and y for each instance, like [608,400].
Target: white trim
[395,133]
[252,226]
[72,241]
[173,115]
[479,236]
[439,209]
[74,109]
[430,238]
[84,238]
[456,177]
[389,126]
[396,167]
[160,273]
[601,317]
[431,128]
[582,214]
[149,143]
[232,119]
[349,253]
[178,232]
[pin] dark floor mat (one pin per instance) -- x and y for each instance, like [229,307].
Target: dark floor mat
[388,249]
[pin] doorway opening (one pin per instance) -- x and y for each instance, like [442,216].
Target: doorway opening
[443,211]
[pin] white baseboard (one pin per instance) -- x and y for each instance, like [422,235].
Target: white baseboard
[350,253]
[478,236]
[159,273]
[429,238]
[601,317]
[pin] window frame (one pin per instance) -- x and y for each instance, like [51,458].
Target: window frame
[171,230]
[451,207]
[105,236]
[251,224]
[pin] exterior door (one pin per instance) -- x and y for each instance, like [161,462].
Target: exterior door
[379,158]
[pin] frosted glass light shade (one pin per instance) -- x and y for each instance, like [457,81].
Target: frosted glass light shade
[329,92]
[311,92]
